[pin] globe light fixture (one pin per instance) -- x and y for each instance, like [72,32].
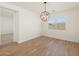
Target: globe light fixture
[44,15]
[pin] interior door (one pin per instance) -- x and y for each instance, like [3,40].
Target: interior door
[6,18]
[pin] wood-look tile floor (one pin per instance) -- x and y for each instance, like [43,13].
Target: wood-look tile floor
[41,46]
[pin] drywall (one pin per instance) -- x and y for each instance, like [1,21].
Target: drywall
[26,23]
[29,25]
[71,33]
[0,27]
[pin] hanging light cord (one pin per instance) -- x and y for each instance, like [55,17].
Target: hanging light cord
[45,5]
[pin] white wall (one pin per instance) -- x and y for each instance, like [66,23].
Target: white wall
[72,27]
[27,25]
[0,28]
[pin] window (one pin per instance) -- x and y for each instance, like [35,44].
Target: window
[57,22]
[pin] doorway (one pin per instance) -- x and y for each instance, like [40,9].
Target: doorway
[7,25]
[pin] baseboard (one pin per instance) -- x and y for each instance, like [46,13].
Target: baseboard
[30,38]
[66,39]
[35,36]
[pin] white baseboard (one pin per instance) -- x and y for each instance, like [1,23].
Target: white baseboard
[62,38]
[30,38]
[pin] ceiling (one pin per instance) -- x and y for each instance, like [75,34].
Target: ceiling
[39,6]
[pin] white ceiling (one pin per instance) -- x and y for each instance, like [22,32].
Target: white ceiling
[39,6]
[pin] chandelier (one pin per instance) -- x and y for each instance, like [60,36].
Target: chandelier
[44,15]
